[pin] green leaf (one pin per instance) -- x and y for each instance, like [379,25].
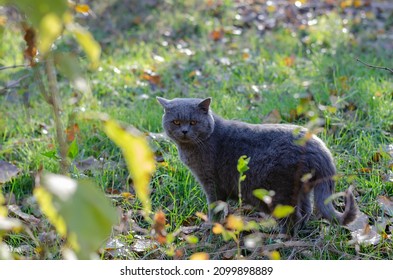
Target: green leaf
[260,193]
[73,149]
[90,46]
[282,211]
[51,154]
[79,210]
[46,16]
[69,66]
[90,216]
[192,239]
[242,164]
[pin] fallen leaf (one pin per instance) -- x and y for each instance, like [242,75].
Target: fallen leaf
[217,228]
[367,236]
[202,216]
[116,248]
[376,157]
[216,35]
[17,212]
[143,245]
[388,177]
[152,77]
[199,256]
[387,204]
[234,223]
[359,223]
[273,117]
[365,170]
[159,231]
[289,61]
[89,163]
[274,255]
[192,239]
[7,171]
[127,195]
[82,8]
[72,131]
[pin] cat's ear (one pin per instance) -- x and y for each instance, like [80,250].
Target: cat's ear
[205,104]
[164,102]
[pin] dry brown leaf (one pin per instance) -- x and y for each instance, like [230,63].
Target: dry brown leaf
[359,223]
[152,77]
[289,61]
[216,35]
[367,236]
[159,227]
[72,131]
[142,245]
[17,212]
[273,117]
[387,204]
[89,163]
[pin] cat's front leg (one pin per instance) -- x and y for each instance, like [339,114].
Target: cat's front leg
[218,209]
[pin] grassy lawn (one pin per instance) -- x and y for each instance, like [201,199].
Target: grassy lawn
[257,69]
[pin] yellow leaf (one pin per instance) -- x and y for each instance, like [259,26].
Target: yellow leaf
[3,20]
[44,200]
[82,8]
[217,228]
[274,255]
[49,29]
[271,8]
[199,256]
[87,42]
[3,209]
[282,211]
[127,195]
[202,216]
[235,223]
[139,158]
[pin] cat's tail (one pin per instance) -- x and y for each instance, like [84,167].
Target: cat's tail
[323,192]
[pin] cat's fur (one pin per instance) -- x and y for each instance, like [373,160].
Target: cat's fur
[211,146]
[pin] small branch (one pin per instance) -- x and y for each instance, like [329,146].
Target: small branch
[374,66]
[14,66]
[13,83]
[54,97]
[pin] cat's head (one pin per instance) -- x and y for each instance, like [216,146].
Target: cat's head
[187,120]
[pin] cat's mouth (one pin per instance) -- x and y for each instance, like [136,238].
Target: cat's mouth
[185,139]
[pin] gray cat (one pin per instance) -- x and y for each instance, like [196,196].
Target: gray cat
[210,146]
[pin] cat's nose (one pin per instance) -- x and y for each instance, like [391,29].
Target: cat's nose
[185,131]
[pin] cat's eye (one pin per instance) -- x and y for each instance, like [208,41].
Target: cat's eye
[193,122]
[176,122]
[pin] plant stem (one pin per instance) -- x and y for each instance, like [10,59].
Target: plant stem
[53,97]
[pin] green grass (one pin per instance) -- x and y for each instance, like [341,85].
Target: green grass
[244,87]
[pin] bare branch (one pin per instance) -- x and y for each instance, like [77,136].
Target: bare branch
[13,84]
[14,66]
[374,66]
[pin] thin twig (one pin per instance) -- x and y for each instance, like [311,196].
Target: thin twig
[14,83]
[14,66]
[374,66]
